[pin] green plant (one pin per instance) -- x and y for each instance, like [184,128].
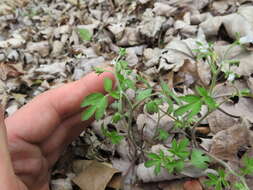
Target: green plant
[85,34]
[248,166]
[114,137]
[183,110]
[173,161]
[217,180]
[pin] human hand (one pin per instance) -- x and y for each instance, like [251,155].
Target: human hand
[38,133]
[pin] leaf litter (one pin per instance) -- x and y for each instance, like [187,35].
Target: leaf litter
[47,43]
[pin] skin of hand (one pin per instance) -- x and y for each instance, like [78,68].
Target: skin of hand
[39,132]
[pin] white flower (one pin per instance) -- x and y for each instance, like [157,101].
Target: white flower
[246,39]
[231,77]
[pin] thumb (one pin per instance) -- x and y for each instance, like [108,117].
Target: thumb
[8,179]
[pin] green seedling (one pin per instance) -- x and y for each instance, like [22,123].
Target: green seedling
[185,111]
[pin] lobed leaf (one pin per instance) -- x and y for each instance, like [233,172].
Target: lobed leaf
[107,84]
[91,99]
[143,94]
[87,114]
[210,102]
[198,159]
[153,156]
[115,94]
[101,106]
[152,107]
[201,91]
[190,98]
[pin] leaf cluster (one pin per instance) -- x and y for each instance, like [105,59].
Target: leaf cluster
[176,157]
[217,180]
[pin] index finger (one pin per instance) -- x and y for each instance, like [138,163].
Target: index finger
[39,118]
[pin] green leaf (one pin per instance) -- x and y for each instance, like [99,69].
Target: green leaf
[183,109]
[107,84]
[158,168]
[87,114]
[163,135]
[234,62]
[240,186]
[198,159]
[143,94]
[115,137]
[183,144]
[194,109]
[116,117]
[85,34]
[153,156]
[248,166]
[92,99]
[101,106]
[213,179]
[199,43]
[170,166]
[180,148]
[127,83]
[115,94]
[99,70]
[122,52]
[218,181]
[151,163]
[179,165]
[201,91]
[168,92]
[190,98]
[123,64]
[152,107]
[245,92]
[210,102]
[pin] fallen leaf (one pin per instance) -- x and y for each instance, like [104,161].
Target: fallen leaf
[219,121]
[172,185]
[7,70]
[192,185]
[227,143]
[95,176]
[116,182]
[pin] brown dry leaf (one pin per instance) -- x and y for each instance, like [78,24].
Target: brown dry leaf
[175,53]
[187,73]
[8,6]
[241,108]
[7,70]
[192,72]
[212,25]
[237,53]
[192,185]
[244,108]
[172,185]
[94,176]
[115,182]
[227,143]
[204,73]
[219,121]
